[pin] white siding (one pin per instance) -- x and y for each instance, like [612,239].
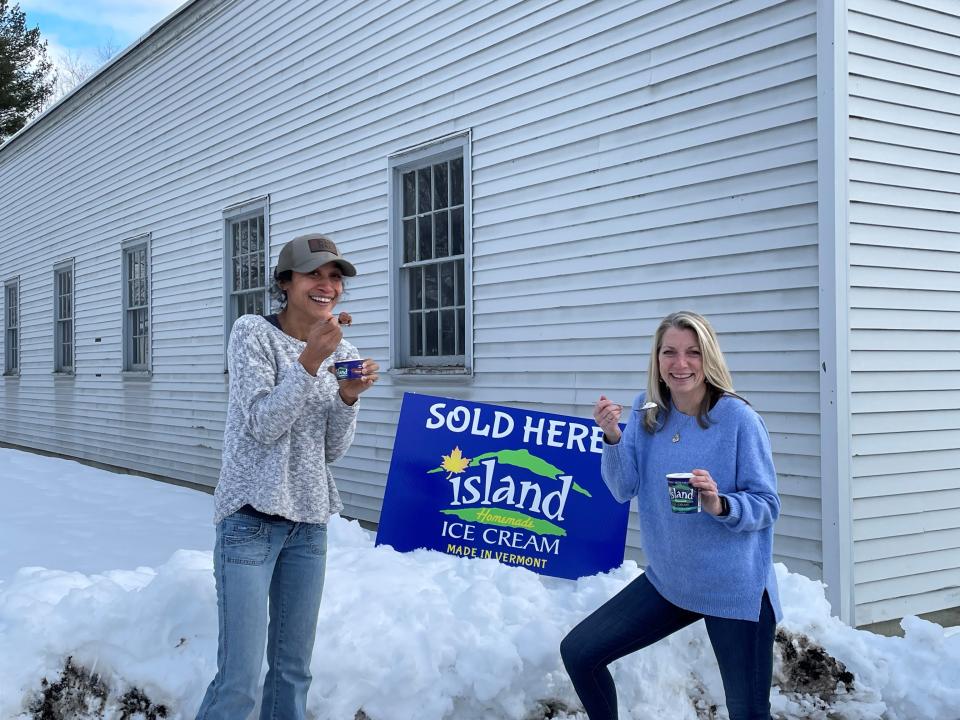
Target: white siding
[682,175]
[629,159]
[905,305]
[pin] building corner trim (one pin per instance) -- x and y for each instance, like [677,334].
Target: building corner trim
[832,223]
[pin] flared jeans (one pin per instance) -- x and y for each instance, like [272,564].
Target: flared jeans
[266,568]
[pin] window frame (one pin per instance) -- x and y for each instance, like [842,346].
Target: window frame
[403,161]
[236,213]
[64,267]
[9,369]
[127,247]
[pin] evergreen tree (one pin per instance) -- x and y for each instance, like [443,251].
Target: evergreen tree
[25,77]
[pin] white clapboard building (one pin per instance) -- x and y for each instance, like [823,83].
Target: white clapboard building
[526,188]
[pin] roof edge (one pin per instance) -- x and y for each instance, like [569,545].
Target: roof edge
[101,71]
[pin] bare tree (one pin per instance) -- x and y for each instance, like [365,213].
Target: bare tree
[72,68]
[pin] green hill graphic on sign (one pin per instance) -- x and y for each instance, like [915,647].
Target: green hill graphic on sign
[507,518]
[522,459]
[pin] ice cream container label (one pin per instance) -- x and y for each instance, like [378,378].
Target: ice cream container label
[348,369]
[684,497]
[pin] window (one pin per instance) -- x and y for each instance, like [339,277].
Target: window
[63,317]
[136,304]
[430,244]
[245,234]
[11,327]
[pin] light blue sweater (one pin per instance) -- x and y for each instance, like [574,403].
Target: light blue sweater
[716,566]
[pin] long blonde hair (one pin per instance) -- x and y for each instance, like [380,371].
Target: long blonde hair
[715,371]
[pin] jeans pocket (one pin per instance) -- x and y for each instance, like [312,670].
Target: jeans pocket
[317,539]
[244,540]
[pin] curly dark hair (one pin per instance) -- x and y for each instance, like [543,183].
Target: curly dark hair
[278,294]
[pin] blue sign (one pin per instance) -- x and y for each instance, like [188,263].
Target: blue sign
[485,481]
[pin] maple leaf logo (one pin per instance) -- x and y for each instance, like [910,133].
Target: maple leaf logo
[454,463]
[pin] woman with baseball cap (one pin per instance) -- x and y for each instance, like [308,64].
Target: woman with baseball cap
[288,418]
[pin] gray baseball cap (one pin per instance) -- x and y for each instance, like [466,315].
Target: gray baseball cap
[305,253]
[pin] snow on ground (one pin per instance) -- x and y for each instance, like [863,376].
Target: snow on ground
[115,572]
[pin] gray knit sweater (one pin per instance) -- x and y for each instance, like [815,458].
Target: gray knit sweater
[284,427]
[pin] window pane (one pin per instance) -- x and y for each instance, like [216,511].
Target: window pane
[237,274]
[259,271]
[430,334]
[416,333]
[460,281]
[409,193]
[456,181]
[448,331]
[440,186]
[409,240]
[456,232]
[424,190]
[235,235]
[244,240]
[416,288]
[251,259]
[461,332]
[440,222]
[67,339]
[430,286]
[447,285]
[426,238]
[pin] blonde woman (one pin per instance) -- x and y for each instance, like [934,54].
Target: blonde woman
[715,565]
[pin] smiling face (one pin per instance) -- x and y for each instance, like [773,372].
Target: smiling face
[681,366]
[312,296]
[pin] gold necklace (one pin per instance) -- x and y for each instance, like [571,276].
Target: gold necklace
[683,426]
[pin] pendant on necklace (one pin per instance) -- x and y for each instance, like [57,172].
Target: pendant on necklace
[675,438]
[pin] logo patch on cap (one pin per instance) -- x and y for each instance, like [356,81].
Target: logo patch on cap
[322,245]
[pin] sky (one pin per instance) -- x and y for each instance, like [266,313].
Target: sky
[84,26]
[114,572]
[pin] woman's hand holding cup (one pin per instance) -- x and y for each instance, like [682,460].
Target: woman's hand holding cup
[351,388]
[607,414]
[703,481]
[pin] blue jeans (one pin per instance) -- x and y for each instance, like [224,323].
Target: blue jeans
[639,616]
[265,566]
